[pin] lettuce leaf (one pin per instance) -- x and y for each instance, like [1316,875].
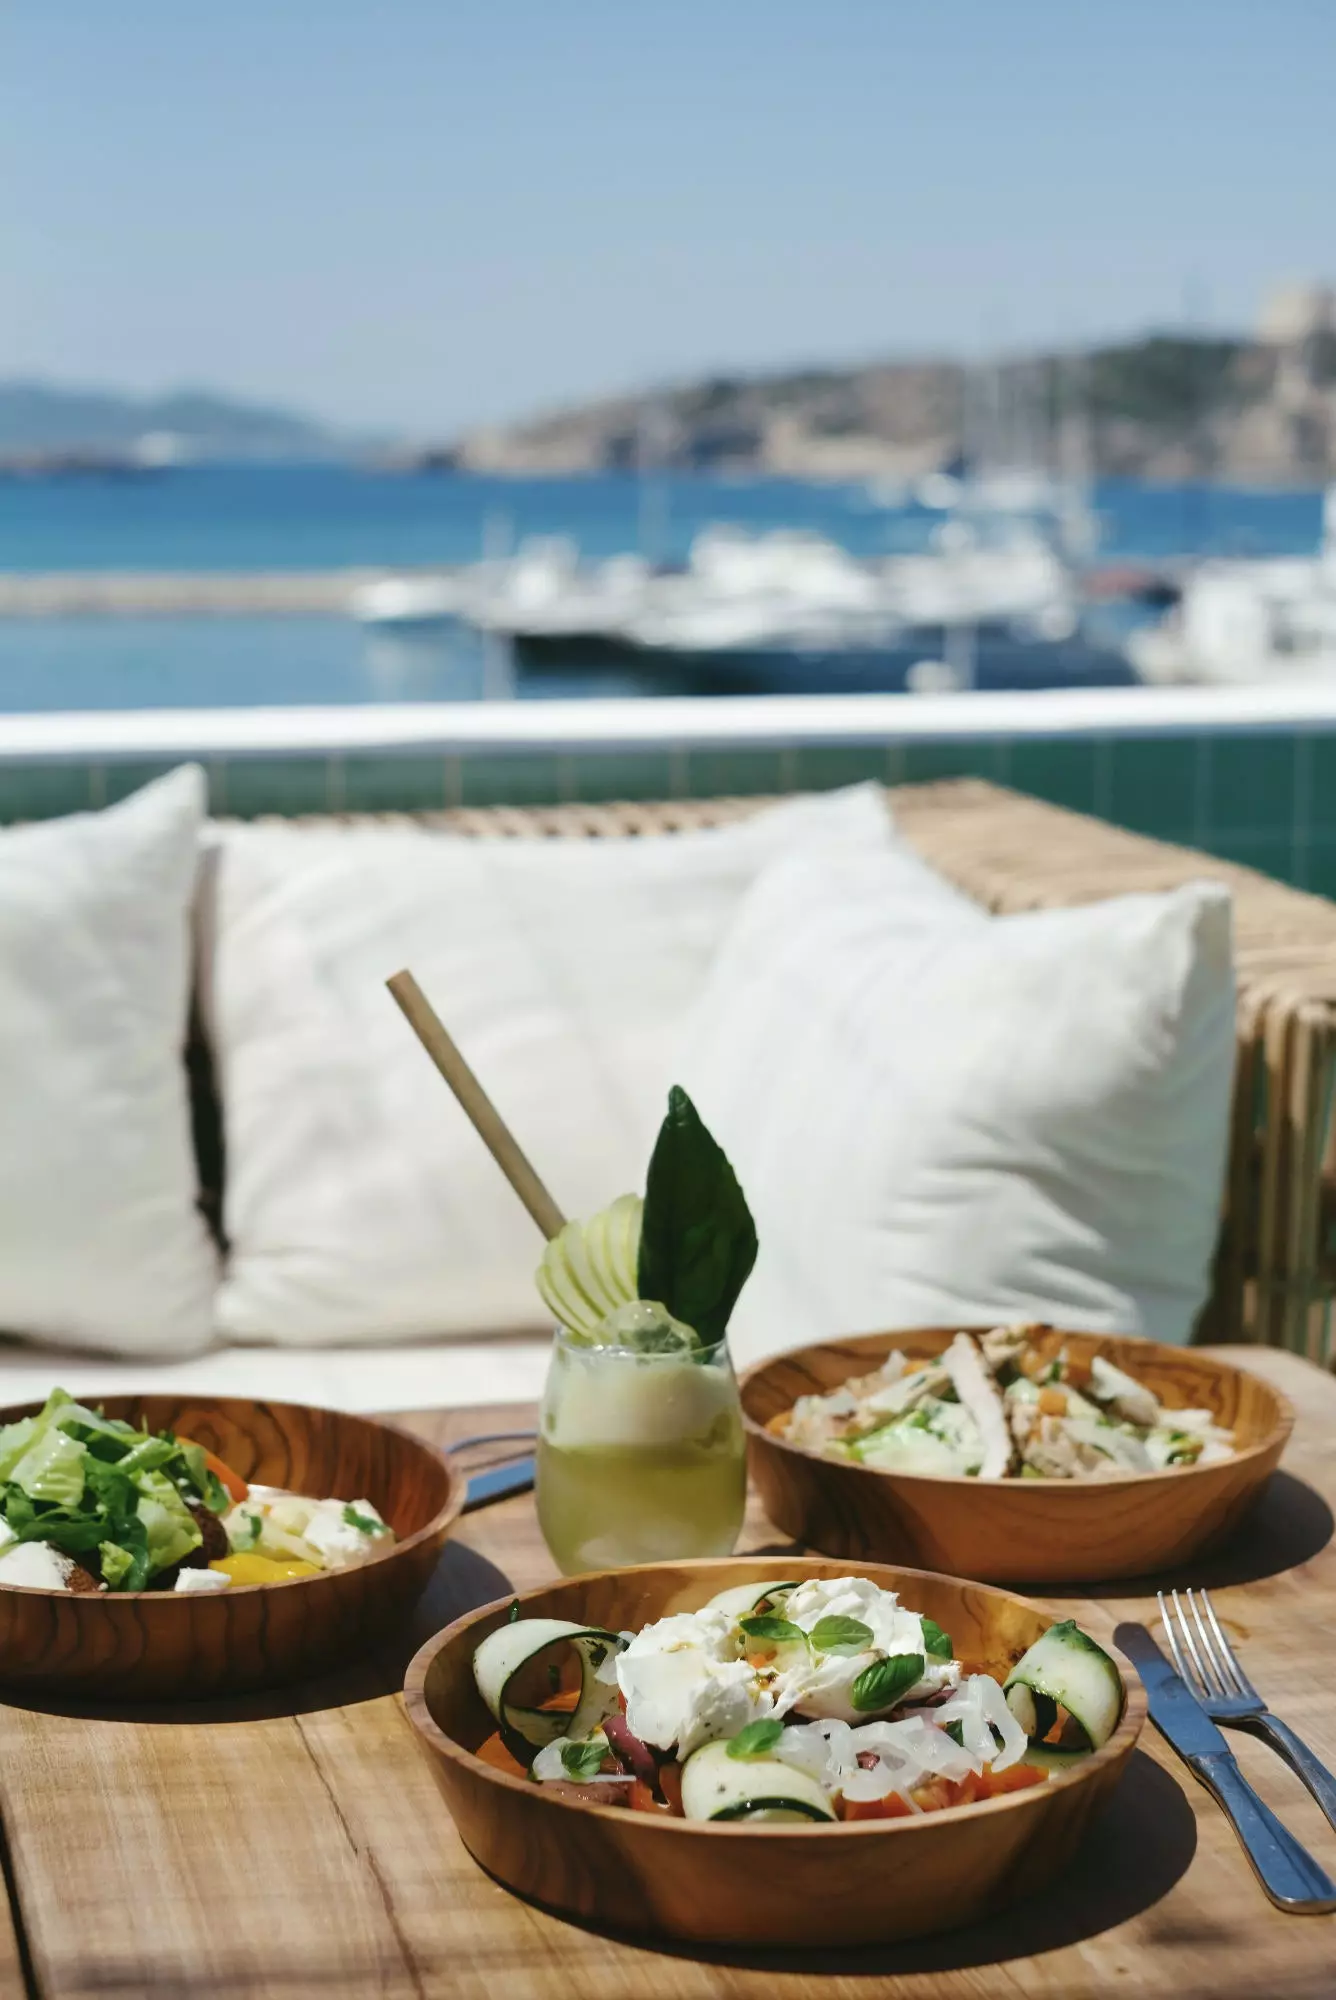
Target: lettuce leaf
[168,1522]
[14,1441]
[52,1469]
[117,1563]
[207,1484]
[94,1486]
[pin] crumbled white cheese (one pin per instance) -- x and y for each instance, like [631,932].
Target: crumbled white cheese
[36,1565]
[336,1539]
[203,1580]
[823,1684]
[684,1683]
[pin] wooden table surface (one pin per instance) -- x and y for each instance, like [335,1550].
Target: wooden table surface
[297,1845]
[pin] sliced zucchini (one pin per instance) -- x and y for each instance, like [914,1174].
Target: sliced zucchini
[762,1790]
[745,1597]
[1048,1757]
[526,1648]
[1035,1713]
[1066,1666]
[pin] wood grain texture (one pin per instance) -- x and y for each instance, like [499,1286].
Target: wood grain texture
[766,1885]
[155,1645]
[297,1845]
[1021,1530]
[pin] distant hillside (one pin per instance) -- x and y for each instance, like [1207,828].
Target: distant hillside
[1165,407]
[37,417]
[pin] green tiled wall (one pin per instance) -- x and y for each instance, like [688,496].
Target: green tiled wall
[1264,798]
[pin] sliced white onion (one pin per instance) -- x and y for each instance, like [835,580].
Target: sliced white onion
[1015,1742]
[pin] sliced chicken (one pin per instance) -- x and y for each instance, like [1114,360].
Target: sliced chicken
[1003,1345]
[974,1384]
[906,1392]
[1128,1399]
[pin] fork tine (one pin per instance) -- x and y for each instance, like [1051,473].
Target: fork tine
[1231,1658]
[1171,1633]
[1200,1675]
[1217,1679]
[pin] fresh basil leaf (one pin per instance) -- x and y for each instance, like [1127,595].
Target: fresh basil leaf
[956,1731]
[756,1738]
[583,1760]
[697,1237]
[936,1643]
[765,1627]
[882,1684]
[363,1522]
[841,1635]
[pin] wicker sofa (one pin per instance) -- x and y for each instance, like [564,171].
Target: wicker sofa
[1275,1270]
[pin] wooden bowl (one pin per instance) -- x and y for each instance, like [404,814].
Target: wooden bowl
[1018,1530]
[154,1645]
[864,1883]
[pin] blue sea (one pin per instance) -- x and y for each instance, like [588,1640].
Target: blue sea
[239,518]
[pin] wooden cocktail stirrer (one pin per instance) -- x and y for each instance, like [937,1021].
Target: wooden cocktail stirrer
[487,1121]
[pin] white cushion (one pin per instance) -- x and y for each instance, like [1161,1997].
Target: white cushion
[943,1118]
[360,1204]
[101,1242]
[445,1376]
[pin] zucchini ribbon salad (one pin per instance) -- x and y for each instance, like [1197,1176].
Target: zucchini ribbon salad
[88,1503]
[788,1702]
[998,1407]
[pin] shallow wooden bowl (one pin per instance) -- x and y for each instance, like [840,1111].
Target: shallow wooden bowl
[1018,1530]
[154,1645]
[830,1886]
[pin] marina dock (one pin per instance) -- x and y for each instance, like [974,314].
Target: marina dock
[182,593]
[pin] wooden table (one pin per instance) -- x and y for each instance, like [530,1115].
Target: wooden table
[297,1845]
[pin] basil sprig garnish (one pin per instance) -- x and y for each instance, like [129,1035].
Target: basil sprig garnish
[697,1237]
[778,1630]
[840,1635]
[882,1684]
[936,1643]
[583,1760]
[756,1738]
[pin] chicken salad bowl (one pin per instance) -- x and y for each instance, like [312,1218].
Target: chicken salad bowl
[1027,1453]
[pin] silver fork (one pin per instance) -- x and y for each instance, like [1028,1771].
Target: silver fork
[1210,1666]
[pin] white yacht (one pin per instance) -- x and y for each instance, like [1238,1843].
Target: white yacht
[1238,622]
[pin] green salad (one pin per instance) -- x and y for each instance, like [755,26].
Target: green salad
[119,1506]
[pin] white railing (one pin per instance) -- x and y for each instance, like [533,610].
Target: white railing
[459,728]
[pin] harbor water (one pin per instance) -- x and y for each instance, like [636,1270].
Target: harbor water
[253,519]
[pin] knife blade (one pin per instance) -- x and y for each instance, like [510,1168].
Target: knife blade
[1284,1867]
[498,1484]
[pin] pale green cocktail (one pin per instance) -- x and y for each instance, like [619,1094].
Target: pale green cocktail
[641,1457]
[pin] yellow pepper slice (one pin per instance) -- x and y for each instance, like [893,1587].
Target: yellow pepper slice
[263,1569]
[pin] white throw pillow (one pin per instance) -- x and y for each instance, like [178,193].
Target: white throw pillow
[360,1205]
[947,1119]
[101,1242]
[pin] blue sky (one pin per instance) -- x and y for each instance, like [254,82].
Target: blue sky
[421,214]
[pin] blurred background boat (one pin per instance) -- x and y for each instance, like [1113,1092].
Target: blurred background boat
[1254,621]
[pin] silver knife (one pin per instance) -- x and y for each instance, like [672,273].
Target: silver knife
[1284,1867]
